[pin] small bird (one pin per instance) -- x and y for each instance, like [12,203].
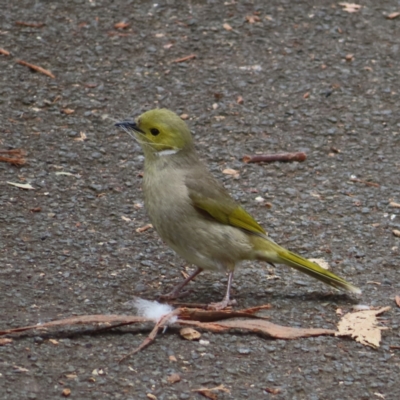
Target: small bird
[195,215]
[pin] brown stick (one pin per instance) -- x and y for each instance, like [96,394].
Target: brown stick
[183,59]
[36,68]
[30,24]
[365,182]
[284,157]
[4,52]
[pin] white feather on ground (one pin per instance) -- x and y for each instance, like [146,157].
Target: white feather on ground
[153,310]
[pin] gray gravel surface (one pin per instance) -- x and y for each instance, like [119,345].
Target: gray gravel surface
[312,77]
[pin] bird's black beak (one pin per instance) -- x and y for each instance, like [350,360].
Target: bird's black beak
[129,125]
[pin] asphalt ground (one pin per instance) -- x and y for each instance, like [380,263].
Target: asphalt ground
[279,76]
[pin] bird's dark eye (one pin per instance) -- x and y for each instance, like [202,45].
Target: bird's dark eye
[154,131]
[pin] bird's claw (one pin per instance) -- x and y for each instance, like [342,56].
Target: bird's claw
[221,305]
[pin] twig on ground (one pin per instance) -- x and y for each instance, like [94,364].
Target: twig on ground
[36,68]
[283,157]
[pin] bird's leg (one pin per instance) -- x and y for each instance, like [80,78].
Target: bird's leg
[175,292]
[226,300]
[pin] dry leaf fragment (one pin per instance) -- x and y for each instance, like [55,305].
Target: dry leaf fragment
[67,111]
[174,378]
[82,137]
[251,19]
[20,369]
[98,371]
[144,228]
[393,204]
[26,186]
[321,262]
[190,333]
[66,392]
[172,358]
[121,25]
[53,341]
[350,7]
[227,27]
[184,116]
[273,390]
[396,232]
[219,117]
[230,171]
[239,100]
[397,300]
[393,15]
[151,396]
[66,173]
[208,393]
[4,341]
[306,95]
[362,326]
[349,57]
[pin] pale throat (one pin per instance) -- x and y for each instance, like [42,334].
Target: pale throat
[167,152]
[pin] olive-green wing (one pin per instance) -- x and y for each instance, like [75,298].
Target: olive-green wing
[210,197]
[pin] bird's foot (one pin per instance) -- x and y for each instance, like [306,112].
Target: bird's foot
[221,305]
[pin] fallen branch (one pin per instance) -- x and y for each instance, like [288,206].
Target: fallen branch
[284,157]
[250,323]
[36,68]
[118,320]
[261,327]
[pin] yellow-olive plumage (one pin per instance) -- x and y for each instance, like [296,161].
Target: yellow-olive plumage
[195,215]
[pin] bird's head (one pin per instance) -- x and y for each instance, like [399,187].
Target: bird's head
[159,130]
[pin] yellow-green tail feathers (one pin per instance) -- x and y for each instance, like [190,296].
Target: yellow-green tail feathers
[269,251]
[310,268]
